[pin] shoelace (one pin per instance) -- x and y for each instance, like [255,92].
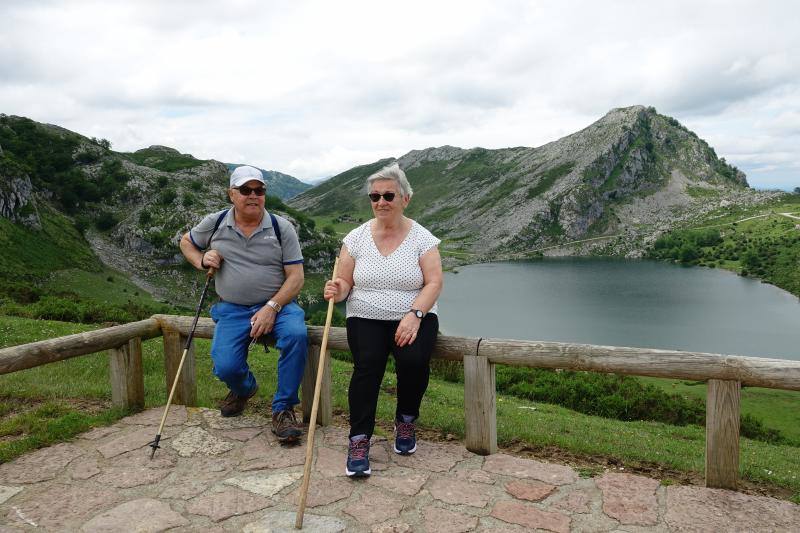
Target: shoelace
[358,450]
[405,430]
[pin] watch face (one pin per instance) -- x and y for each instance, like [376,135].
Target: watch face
[418,313]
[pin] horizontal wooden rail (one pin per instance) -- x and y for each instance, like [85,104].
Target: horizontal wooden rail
[751,371]
[49,351]
[725,374]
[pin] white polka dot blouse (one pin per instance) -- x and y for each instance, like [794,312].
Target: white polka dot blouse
[385,287]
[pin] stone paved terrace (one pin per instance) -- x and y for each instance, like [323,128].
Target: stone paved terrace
[216,474]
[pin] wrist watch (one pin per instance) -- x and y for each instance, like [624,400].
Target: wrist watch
[419,314]
[275,305]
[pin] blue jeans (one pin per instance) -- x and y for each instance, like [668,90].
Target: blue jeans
[231,341]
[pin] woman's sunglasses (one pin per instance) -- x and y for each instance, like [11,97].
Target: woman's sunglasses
[244,190]
[375,197]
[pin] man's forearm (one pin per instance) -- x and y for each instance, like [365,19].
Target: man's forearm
[289,290]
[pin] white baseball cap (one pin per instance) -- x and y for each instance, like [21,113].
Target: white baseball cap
[243,174]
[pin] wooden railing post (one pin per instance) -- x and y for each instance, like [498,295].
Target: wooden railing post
[480,405]
[722,434]
[325,409]
[186,391]
[127,377]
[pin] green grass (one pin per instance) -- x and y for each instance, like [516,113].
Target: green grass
[107,286]
[779,409]
[54,390]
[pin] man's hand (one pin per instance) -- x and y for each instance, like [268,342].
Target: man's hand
[211,259]
[262,322]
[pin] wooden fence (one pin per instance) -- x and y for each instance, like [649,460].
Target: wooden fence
[725,375]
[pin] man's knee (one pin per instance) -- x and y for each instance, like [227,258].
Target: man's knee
[295,334]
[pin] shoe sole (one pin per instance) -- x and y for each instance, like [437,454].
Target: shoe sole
[409,452]
[364,473]
[288,440]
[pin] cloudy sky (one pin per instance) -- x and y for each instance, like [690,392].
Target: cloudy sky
[314,88]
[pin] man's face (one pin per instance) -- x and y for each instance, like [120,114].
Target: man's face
[250,204]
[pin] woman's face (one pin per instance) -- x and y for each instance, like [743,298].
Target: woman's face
[383,208]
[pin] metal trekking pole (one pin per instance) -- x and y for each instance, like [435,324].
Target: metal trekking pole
[154,443]
[312,424]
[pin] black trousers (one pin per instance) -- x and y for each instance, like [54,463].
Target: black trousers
[370,342]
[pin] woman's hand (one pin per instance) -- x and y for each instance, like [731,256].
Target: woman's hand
[336,289]
[406,332]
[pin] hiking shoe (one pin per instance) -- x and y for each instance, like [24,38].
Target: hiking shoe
[405,437]
[233,404]
[358,458]
[285,426]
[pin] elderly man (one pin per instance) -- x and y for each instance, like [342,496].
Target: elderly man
[260,272]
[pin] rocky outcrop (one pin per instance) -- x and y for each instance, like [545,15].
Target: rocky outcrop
[17,202]
[633,173]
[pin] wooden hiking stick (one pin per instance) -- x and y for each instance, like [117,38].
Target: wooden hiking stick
[154,443]
[312,424]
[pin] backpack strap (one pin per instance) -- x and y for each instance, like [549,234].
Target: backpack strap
[276,228]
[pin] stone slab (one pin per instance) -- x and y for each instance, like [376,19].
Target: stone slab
[40,465]
[323,492]
[530,517]
[438,520]
[152,417]
[6,493]
[507,465]
[214,420]
[703,509]
[408,483]
[373,507]
[242,434]
[62,507]
[224,502]
[264,484]
[392,526]
[273,456]
[197,441]
[99,433]
[125,477]
[84,469]
[330,463]
[283,522]
[530,490]
[432,457]
[575,502]
[629,499]
[144,515]
[128,440]
[458,492]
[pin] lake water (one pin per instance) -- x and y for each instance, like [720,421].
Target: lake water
[622,303]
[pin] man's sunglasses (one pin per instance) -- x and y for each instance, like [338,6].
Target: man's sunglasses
[244,190]
[388,196]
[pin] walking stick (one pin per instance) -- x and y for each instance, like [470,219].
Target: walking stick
[298,523]
[154,443]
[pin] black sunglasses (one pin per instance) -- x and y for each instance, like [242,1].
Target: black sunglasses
[244,190]
[388,196]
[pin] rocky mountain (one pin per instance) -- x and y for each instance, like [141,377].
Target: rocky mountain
[279,184]
[131,207]
[620,182]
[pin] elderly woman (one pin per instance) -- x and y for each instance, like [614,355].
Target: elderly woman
[390,273]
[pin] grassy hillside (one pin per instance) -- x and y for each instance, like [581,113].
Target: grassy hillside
[761,242]
[51,403]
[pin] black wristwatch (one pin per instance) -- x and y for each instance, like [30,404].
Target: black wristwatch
[419,314]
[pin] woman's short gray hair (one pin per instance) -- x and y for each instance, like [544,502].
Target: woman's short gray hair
[392,172]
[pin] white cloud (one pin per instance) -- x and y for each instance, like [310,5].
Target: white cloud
[313,88]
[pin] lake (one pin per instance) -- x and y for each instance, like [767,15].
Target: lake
[619,302]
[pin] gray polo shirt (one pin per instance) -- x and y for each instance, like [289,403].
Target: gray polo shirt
[252,268]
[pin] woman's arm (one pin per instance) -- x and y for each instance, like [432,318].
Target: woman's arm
[431,265]
[340,287]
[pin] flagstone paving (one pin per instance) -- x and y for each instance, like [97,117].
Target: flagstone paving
[215,474]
